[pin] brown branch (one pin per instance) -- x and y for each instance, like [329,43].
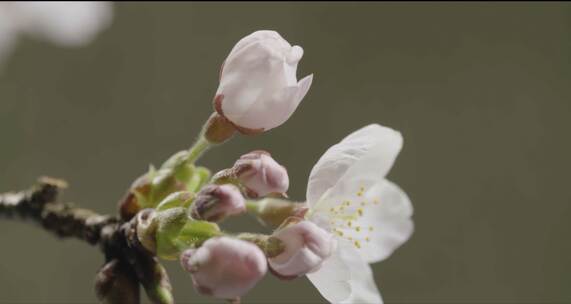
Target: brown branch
[127,262]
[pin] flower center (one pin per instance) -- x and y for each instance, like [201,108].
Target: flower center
[345,218]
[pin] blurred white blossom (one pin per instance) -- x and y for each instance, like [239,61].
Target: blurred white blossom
[69,24]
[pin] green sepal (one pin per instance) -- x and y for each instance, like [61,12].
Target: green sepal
[171,222]
[200,177]
[194,233]
[177,232]
[163,183]
[176,199]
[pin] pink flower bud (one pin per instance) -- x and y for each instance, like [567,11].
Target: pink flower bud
[225,267]
[306,246]
[261,174]
[258,88]
[216,202]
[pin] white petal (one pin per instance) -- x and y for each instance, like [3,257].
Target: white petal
[283,104]
[346,278]
[248,81]
[363,287]
[374,215]
[304,86]
[332,279]
[386,221]
[256,36]
[369,151]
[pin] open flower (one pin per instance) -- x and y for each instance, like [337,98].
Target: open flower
[224,267]
[258,87]
[64,23]
[370,217]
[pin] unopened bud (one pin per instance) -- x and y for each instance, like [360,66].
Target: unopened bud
[216,202]
[170,224]
[132,202]
[225,267]
[149,189]
[116,283]
[147,228]
[165,233]
[306,246]
[258,88]
[260,174]
[164,182]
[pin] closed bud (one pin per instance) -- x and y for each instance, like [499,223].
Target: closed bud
[258,87]
[115,282]
[132,201]
[306,246]
[146,229]
[170,224]
[152,187]
[216,202]
[260,174]
[225,267]
[163,183]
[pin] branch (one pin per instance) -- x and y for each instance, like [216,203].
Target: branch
[127,262]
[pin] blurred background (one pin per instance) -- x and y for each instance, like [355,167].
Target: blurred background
[481,93]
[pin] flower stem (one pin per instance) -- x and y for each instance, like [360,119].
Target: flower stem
[252,207]
[199,147]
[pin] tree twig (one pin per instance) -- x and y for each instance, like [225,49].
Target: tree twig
[127,265]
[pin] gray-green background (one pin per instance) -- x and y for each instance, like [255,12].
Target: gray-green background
[481,93]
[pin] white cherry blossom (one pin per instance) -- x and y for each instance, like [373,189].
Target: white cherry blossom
[349,196]
[63,23]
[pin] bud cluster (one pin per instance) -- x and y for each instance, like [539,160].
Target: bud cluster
[178,207]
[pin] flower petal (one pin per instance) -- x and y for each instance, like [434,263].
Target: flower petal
[304,86]
[385,222]
[346,278]
[259,88]
[369,151]
[332,279]
[284,103]
[257,36]
[375,216]
[363,287]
